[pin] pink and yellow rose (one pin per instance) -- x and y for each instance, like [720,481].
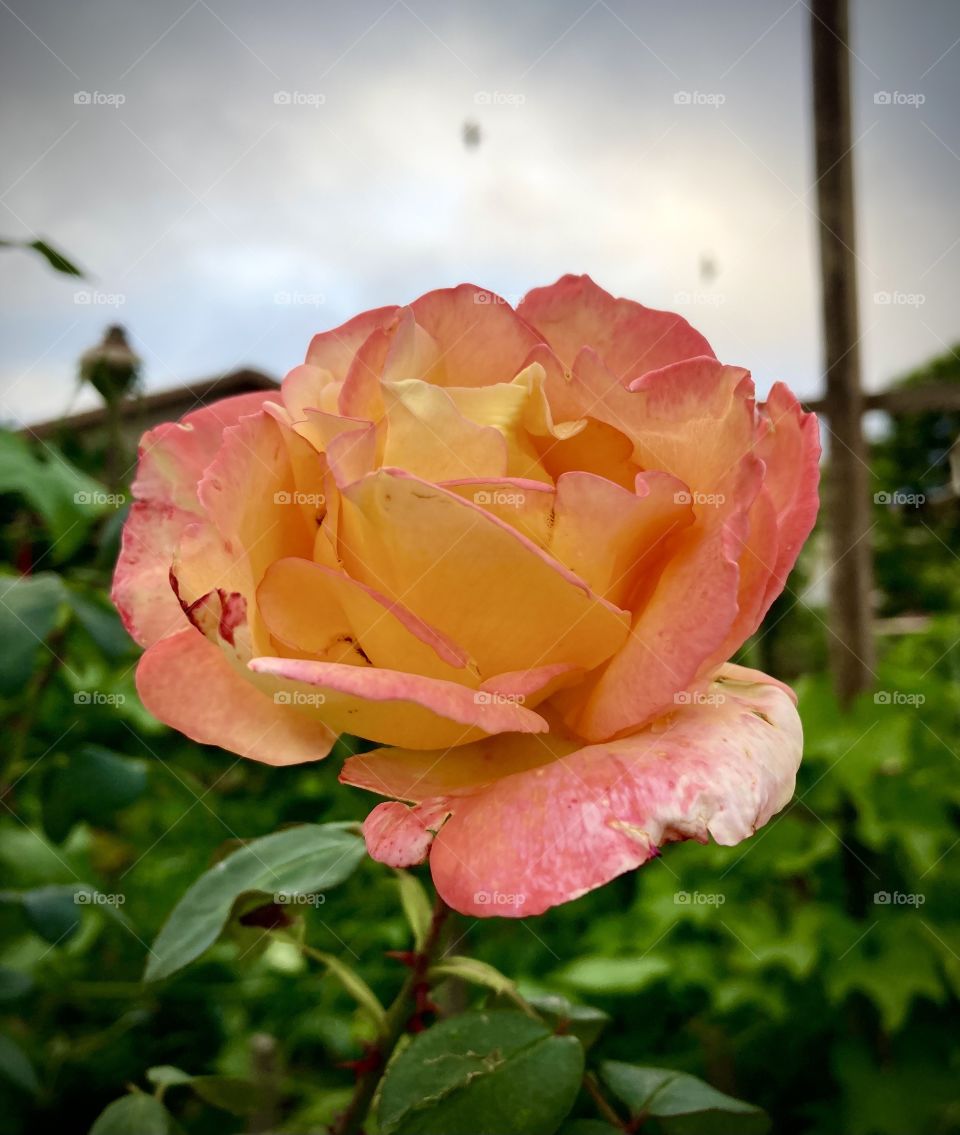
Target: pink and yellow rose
[517,549]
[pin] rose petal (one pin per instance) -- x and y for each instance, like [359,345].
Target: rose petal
[141,582]
[310,607]
[789,445]
[420,774]
[393,707]
[188,683]
[630,338]
[549,835]
[400,836]
[428,436]
[173,457]
[480,338]
[506,603]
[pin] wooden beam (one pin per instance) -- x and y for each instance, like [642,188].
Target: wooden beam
[847,482]
[942,396]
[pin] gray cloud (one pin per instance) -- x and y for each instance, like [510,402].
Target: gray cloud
[626,140]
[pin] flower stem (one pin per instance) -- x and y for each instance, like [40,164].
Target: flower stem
[604,1107]
[399,1015]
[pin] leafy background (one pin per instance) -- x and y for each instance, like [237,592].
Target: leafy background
[773,970]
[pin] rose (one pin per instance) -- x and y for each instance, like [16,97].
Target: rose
[547,677]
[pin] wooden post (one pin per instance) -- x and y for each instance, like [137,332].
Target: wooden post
[847,496]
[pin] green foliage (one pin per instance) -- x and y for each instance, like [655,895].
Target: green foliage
[57,261]
[916,512]
[302,861]
[482,1073]
[680,1102]
[773,971]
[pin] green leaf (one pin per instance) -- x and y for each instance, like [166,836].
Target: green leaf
[301,860]
[582,1021]
[29,610]
[137,1114]
[55,259]
[92,786]
[228,1093]
[53,912]
[101,623]
[167,1076]
[354,984]
[67,500]
[683,1104]
[416,906]
[482,1074]
[614,975]
[15,1067]
[14,984]
[478,973]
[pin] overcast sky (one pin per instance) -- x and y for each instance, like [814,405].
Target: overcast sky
[237,175]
